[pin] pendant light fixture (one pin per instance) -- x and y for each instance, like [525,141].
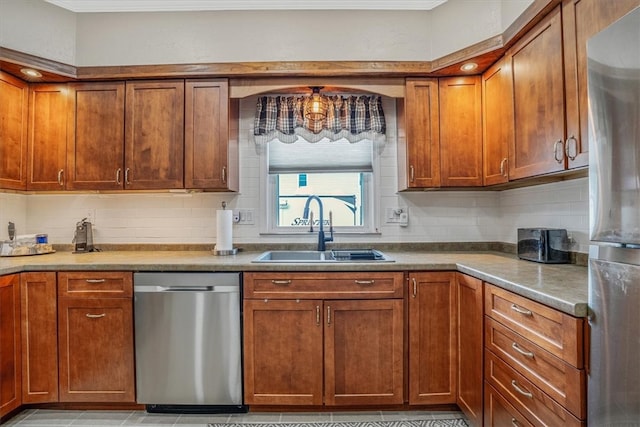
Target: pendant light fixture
[316,106]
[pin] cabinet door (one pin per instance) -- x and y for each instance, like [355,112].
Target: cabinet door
[95,151]
[582,19]
[432,338]
[460,131]
[419,136]
[13,132]
[538,82]
[469,306]
[211,153]
[364,352]
[39,331]
[48,108]
[10,347]
[497,115]
[283,352]
[154,135]
[96,350]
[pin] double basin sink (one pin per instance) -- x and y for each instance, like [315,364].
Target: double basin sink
[341,255]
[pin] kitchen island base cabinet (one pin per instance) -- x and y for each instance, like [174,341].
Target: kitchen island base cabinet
[432,338]
[95,316]
[301,347]
[10,349]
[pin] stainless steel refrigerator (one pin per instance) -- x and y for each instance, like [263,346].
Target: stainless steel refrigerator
[614,208]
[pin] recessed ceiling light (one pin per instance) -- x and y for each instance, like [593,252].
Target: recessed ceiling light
[30,72]
[469,66]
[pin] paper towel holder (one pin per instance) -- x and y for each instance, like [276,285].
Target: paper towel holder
[232,251]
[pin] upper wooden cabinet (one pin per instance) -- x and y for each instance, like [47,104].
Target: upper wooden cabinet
[95,149]
[538,93]
[48,109]
[582,19]
[440,133]
[14,94]
[419,135]
[211,136]
[460,131]
[154,135]
[497,126]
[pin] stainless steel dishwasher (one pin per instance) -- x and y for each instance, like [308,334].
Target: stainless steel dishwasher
[188,342]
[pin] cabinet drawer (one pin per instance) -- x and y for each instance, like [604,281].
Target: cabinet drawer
[95,284]
[556,332]
[365,285]
[525,397]
[554,376]
[500,413]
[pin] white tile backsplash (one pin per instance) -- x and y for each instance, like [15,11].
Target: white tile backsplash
[434,216]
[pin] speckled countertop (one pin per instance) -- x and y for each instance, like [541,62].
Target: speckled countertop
[563,287]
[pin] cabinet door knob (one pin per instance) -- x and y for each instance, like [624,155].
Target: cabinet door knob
[556,151]
[95,316]
[522,311]
[517,388]
[571,141]
[503,171]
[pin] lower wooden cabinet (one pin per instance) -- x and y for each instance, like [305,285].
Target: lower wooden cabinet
[10,349]
[95,336]
[469,316]
[318,351]
[500,413]
[39,337]
[432,338]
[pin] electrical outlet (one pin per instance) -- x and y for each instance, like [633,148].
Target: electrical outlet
[397,216]
[245,216]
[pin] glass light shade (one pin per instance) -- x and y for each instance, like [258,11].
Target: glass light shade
[316,107]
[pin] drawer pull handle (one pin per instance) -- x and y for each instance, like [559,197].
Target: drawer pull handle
[317,315]
[515,422]
[95,316]
[525,353]
[521,310]
[517,388]
[328,315]
[95,280]
[365,282]
[281,282]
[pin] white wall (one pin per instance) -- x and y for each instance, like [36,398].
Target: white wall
[102,39]
[434,216]
[38,28]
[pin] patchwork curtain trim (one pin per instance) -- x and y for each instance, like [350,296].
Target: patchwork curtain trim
[353,118]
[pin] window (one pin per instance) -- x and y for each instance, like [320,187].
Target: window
[340,173]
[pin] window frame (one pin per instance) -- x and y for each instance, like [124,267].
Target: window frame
[269,204]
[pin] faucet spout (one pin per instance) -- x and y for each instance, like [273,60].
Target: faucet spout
[321,237]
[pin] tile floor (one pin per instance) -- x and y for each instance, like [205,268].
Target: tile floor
[54,418]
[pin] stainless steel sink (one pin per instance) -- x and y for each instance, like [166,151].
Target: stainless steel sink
[341,255]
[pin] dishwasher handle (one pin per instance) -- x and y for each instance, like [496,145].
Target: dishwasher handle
[195,288]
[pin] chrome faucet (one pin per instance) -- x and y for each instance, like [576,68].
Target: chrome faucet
[305,215]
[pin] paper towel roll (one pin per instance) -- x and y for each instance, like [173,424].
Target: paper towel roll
[224,228]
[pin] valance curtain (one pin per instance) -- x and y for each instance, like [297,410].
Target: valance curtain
[353,118]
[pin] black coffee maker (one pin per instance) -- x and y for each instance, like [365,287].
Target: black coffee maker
[83,238]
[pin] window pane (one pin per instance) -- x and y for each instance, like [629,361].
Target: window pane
[341,193]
